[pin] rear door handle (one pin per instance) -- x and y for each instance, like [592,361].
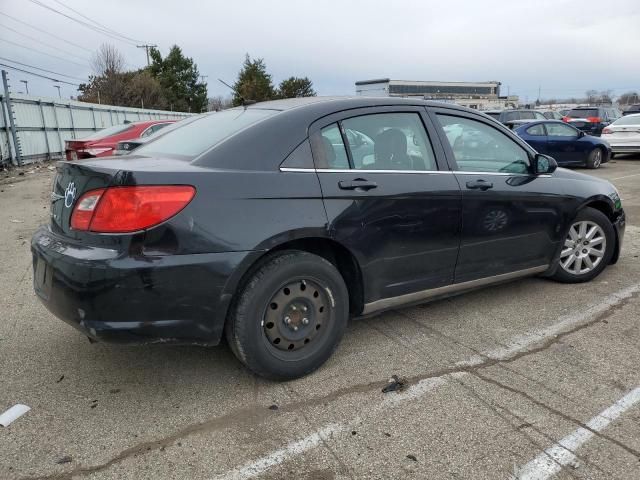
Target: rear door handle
[479,185]
[357,184]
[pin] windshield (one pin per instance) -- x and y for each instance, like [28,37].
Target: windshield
[107,132]
[628,120]
[196,137]
[583,113]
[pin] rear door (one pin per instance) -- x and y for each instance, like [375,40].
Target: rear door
[394,205]
[511,218]
[536,136]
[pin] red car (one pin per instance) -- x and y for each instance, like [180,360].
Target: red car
[104,142]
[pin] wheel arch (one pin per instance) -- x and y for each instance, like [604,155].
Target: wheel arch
[329,249]
[605,205]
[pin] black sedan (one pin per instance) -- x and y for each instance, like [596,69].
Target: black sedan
[257,224]
[565,143]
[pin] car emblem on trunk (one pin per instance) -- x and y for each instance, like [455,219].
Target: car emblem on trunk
[69,194]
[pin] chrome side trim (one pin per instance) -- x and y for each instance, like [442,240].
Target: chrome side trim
[428,172]
[289,169]
[386,303]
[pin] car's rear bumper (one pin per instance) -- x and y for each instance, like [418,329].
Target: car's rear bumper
[134,299]
[625,148]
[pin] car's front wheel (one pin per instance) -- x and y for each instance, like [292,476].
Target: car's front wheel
[587,249]
[289,316]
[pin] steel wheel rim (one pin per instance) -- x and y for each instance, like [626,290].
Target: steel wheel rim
[584,248]
[296,318]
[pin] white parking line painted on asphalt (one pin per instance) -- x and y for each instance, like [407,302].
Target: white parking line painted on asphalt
[625,176]
[551,461]
[517,345]
[275,458]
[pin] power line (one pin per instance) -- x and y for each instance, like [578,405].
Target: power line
[96,23]
[42,53]
[95,28]
[38,68]
[45,44]
[45,32]
[38,75]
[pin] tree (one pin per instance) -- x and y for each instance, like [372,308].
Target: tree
[629,98]
[294,87]
[107,61]
[253,83]
[218,103]
[178,76]
[143,90]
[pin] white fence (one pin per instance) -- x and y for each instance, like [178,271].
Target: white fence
[41,125]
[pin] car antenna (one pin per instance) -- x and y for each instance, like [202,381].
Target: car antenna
[245,102]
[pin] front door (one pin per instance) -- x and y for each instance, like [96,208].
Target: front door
[511,218]
[563,142]
[393,206]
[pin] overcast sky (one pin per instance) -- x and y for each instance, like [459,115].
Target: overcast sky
[565,47]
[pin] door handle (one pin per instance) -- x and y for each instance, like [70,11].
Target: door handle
[479,185]
[357,184]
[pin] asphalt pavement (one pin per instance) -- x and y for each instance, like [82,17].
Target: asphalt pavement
[529,380]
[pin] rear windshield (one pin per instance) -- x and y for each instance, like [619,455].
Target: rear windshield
[583,113]
[203,132]
[628,120]
[107,132]
[508,116]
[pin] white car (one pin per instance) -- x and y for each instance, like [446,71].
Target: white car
[624,134]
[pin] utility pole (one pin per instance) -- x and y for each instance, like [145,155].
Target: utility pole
[203,78]
[12,123]
[146,48]
[58,87]
[26,85]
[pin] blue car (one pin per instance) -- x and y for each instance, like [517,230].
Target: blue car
[565,143]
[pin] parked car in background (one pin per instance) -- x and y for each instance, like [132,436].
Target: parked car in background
[564,111]
[624,134]
[591,120]
[632,109]
[124,147]
[565,143]
[514,118]
[248,224]
[552,115]
[104,142]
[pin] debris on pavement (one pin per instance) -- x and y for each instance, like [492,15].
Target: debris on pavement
[273,407]
[395,384]
[15,412]
[65,459]
[60,379]
[412,457]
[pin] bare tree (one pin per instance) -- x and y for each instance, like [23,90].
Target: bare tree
[218,103]
[107,61]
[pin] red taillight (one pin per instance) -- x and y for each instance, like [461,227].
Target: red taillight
[129,209]
[606,131]
[566,119]
[594,119]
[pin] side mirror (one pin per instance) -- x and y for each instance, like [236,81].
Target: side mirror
[581,134]
[544,164]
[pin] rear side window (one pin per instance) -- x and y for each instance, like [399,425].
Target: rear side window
[477,147]
[527,115]
[536,130]
[509,116]
[385,141]
[203,133]
[628,120]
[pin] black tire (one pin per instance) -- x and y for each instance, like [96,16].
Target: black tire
[269,306]
[596,217]
[596,158]
[611,157]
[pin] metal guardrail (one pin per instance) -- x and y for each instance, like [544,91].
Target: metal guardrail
[35,128]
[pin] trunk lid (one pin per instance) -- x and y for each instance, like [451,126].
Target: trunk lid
[71,181]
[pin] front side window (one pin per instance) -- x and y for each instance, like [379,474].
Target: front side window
[536,130]
[478,147]
[561,130]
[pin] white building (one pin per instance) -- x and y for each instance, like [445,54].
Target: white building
[478,95]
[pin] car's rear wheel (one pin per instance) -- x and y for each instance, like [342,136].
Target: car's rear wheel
[587,249]
[289,316]
[595,158]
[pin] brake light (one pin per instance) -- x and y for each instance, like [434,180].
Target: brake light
[606,131]
[594,119]
[129,209]
[566,119]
